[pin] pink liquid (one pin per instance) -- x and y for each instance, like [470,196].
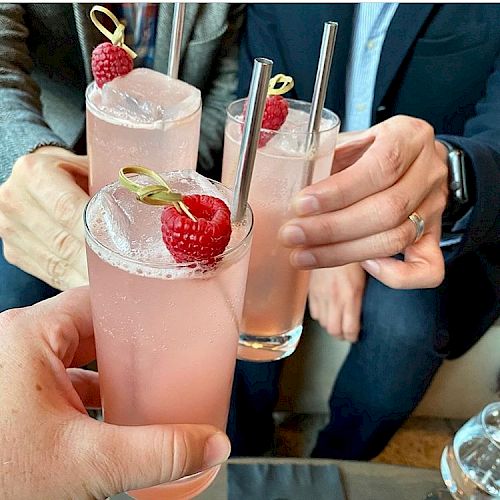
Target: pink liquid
[276,292]
[143,118]
[166,338]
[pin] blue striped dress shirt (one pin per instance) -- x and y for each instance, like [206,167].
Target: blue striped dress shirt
[371,22]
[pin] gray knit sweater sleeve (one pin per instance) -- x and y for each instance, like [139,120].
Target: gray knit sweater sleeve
[22,127]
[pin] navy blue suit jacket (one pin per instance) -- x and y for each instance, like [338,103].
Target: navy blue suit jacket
[439,62]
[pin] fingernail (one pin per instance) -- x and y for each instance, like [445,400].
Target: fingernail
[306,205]
[292,235]
[371,266]
[217,449]
[304,259]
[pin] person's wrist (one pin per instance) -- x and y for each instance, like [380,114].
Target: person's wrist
[442,151]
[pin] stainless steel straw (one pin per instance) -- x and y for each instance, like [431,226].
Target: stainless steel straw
[174,54]
[255,110]
[320,88]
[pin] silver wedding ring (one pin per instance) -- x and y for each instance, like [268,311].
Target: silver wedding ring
[419,225]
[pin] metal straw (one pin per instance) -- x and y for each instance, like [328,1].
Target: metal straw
[255,110]
[174,55]
[320,87]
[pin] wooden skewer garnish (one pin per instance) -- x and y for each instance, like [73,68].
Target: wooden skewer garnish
[152,194]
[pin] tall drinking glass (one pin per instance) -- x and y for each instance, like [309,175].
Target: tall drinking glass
[470,464]
[166,333]
[276,293]
[145,118]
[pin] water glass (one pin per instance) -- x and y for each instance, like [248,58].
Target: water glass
[470,464]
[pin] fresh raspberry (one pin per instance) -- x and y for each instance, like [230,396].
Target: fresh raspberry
[108,62]
[190,241]
[275,114]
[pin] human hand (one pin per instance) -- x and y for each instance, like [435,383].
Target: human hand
[360,213]
[335,298]
[41,223]
[49,447]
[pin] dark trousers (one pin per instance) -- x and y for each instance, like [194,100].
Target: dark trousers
[19,289]
[403,342]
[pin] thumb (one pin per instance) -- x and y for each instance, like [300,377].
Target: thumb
[123,458]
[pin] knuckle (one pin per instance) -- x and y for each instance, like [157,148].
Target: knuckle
[394,241]
[56,268]
[420,128]
[351,335]
[26,166]
[388,164]
[395,209]
[334,332]
[21,163]
[66,245]
[7,230]
[325,229]
[180,463]
[65,208]
[8,199]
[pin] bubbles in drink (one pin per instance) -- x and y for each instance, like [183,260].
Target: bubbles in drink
[130,231]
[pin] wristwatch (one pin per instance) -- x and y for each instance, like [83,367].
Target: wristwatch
[458,197]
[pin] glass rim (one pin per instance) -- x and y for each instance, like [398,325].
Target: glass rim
[98,112]
[484,412]
[170,265]
[335,121]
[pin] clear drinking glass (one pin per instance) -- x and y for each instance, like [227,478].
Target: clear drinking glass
[166,333]
[276,292]
[470,464]
[144,118]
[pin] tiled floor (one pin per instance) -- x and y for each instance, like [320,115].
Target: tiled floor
[418,443]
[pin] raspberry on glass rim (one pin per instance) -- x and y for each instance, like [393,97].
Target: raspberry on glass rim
[195,228]
[276,109]
[114,58]
[202,239]
[108,62]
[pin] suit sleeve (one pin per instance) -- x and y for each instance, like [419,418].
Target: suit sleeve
[22,127]
[481,145]
[221,92]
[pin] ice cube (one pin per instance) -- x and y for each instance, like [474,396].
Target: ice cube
[113,221]
[292,137]
[146,97]
[190,182]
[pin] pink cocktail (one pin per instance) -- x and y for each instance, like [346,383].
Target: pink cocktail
[276,292]
[166,333]
[144,118]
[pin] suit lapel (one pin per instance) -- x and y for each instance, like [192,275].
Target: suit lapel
[88,35]
[298,45]
[403,30]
